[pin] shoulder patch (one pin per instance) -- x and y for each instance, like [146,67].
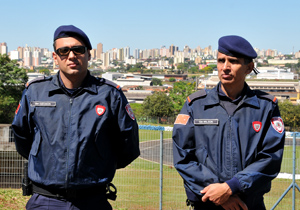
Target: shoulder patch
[110,83]
[194,96]
[262,94]
[37,79]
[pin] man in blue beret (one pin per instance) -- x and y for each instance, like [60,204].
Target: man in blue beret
[75,130]
[228,142]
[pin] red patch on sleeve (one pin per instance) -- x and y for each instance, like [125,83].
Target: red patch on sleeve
[182,119]
[17,109]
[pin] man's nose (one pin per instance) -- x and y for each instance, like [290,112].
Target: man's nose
[226,65]
[72,54]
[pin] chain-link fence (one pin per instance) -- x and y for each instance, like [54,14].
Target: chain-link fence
[151,181]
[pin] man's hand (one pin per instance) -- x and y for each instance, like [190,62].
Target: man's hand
[217,193]
[234,203]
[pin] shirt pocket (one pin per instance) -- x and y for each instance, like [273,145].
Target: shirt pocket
[36,144]
[201,154]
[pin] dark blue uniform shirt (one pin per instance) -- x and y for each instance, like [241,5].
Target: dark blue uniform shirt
[78,140]
[242,148]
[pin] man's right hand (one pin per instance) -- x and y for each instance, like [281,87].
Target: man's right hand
[234,203]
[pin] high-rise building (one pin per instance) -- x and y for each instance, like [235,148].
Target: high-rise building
[121,54]
[99,51]
[136,53]
[36,58]
[21,52]
[93,54]
[27,58]
[164,52]
[126,52]
[3,48]
[172,49]
[106,59]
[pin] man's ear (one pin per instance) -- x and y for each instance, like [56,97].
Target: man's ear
[250,67]
[54,55]
[90,56]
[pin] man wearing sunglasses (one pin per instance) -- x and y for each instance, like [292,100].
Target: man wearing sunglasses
[75,130]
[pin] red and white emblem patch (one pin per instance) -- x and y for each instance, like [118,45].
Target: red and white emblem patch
[256,126]
[129,111]
[277,124]
[100,110]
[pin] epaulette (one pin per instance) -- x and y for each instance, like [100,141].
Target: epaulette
[37,79]
[262,94]
[110,83]
[194,96]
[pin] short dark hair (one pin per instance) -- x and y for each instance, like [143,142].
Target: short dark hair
[247,60]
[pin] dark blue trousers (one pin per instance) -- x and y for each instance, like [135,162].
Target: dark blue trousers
[40,202]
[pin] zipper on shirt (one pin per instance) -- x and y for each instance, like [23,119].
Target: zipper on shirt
[230,139]
[68,142]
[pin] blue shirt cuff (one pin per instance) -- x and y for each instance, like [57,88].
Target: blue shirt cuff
[234,185]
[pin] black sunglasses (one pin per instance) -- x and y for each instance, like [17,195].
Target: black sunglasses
[77,50]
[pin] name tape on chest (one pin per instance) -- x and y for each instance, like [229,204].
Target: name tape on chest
[206,121]
[43,103]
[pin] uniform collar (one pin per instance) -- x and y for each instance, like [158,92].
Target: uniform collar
[249,97]
[89,84]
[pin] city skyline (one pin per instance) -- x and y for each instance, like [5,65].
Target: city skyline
[147,25]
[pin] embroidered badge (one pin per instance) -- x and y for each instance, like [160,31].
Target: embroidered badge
[100,110]
[18,108]
[129,111]
[256,126]
[182,119]
[277,124]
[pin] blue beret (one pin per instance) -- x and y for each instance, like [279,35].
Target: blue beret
[236,46]
[72,31]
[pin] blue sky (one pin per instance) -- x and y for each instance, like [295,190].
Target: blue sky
[141,24]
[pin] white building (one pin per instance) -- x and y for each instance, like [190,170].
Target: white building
[275,73]
[34,75]
[131,61]
[127,79]
[14,55]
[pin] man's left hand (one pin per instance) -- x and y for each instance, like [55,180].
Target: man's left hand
[217,193]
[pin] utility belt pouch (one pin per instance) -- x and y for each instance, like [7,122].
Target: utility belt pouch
[26,182]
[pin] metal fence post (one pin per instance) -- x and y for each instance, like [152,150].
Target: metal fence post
[161,170]
[293,184]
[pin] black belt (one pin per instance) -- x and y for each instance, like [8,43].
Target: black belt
[67,193]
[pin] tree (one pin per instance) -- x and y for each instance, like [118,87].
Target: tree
[290,114]
[172,79]
[137,109]
[158,105]
[45,71]
[156,81]
[179,93]
[12,81]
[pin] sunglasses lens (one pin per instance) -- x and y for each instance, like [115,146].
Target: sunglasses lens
[78,50]
[63,51]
